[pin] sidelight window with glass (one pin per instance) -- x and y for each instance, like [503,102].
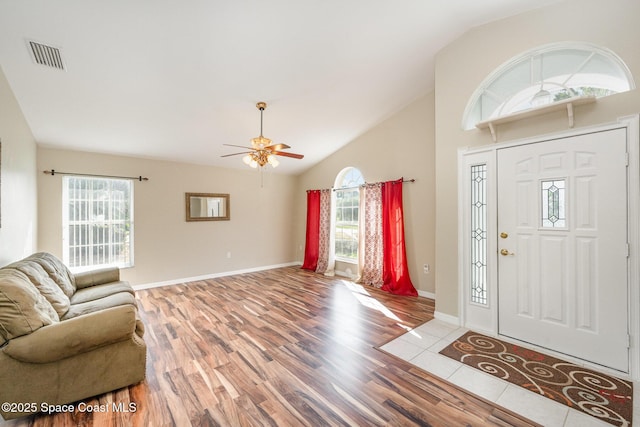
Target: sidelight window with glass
[478,236]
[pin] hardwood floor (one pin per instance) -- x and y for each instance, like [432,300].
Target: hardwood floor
[282,347]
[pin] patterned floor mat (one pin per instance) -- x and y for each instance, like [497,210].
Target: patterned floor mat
[602,396]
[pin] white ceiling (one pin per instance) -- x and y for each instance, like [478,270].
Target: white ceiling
[177,79]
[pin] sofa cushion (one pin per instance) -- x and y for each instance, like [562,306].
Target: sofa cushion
[121,298]
[47,287]
[57,271]
[77,335]
[23,309]
[98,276]
[95,292]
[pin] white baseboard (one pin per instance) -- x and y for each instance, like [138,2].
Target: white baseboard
[455,320]
[426,294]
[211,276]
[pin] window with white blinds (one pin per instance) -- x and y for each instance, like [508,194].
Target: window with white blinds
[97,221]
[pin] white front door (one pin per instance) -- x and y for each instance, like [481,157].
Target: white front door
[562,224]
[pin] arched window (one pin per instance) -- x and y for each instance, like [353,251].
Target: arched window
[545,75]
[347,197]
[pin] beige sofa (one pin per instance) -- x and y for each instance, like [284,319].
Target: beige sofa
[65,337]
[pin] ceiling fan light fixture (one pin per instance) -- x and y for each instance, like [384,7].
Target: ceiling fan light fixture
[260,142]
[272,160]
[542,97]
[261,150]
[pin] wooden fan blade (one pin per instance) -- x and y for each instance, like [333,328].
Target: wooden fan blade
[239,146]
[277,147]
[236,154]
[285,154]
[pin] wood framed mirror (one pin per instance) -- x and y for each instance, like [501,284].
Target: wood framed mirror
[207,207]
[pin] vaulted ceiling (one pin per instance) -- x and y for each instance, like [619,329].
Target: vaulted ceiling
[177,79]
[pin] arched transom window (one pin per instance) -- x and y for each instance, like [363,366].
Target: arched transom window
[545,75]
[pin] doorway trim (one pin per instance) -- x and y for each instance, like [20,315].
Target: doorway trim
[483,317]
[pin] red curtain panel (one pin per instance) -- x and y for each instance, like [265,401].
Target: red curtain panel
[312,245]
[395,272]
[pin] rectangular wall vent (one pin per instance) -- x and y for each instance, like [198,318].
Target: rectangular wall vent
[46,55]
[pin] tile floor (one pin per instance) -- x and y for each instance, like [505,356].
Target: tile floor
[421,345]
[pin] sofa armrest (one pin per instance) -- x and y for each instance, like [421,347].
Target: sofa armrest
[97,277]
[70,337]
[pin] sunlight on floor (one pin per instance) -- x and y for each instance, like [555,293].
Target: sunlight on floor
[354,287]
[410,330]
[367,300]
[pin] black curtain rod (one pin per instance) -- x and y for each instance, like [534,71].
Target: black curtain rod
[358,186]
[52,172]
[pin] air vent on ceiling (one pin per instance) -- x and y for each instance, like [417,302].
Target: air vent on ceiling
[46,55]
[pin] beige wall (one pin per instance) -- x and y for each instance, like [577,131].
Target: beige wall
[465,63]
[419,142]
[403,145]
[18,190]
[166,246]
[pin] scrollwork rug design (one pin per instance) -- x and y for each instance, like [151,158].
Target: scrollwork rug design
[602,396]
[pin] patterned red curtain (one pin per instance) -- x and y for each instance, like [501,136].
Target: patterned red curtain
[370,251]
[312,245]
[395,272]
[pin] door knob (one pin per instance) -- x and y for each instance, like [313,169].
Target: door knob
[504,235]
[505,252]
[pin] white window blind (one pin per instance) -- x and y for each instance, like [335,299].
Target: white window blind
[97,221]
